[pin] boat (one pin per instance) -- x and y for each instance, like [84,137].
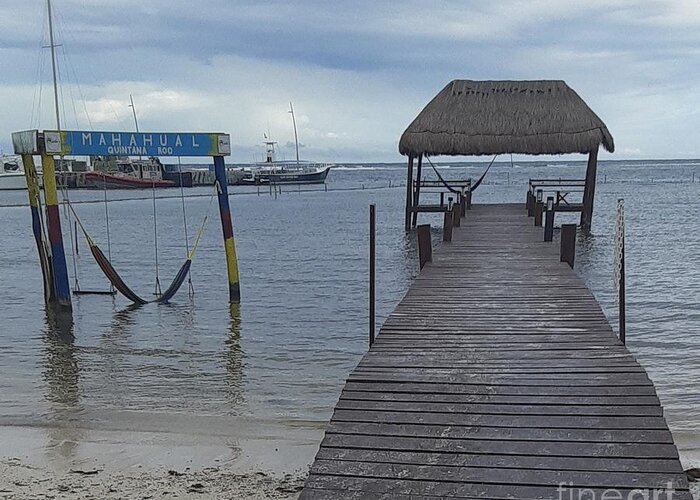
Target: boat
[285,172]
[12,174]
[125,173]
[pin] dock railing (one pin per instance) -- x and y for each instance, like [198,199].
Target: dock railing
[560,190]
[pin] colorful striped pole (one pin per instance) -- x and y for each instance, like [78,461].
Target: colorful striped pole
[227,228]
[61,287]
[37,224]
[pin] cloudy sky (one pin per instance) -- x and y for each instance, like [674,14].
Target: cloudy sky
[357,71]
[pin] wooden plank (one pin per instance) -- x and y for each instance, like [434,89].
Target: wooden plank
[495,461]
[500,433]
[433,388]
[377,487]
[490,420]
[511,447]
[502,476]
[499,409]
[499,398]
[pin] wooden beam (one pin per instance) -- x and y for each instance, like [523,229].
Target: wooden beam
[589,191]
[416,199]
[409,192]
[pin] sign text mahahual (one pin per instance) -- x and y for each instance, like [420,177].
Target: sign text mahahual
[89,143]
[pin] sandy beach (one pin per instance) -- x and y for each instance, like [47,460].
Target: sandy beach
[73,463]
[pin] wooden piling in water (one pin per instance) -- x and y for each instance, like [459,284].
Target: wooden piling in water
[537,212]
[409,193]
[589,191]
[549,220]
[567,249]
[61,295]
[372,270]
[447,226]
[234,288]
[425,245]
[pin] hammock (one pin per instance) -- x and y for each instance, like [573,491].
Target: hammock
[113,276]
[453,190]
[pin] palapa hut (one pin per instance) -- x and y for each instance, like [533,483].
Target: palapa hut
[473,118]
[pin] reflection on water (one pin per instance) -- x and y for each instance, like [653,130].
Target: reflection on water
[233,358]
[285,352]
[61,372]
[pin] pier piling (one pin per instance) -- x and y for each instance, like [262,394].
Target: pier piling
[227,229]
[549,220]
[372,269]
[567,248]
[61,285]
[425,246]
[456,214]
[447,226]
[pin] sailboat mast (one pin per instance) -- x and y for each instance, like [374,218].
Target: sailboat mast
[133,110]
[296,138]
[53,66]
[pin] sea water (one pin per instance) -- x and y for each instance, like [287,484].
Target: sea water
[199,366]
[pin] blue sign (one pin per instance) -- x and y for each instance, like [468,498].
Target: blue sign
[89,143]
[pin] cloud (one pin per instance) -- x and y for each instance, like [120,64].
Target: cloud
[357,72]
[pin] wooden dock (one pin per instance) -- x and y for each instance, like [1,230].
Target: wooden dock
[497,376]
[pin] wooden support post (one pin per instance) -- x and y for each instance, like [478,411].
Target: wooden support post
[469,198]
[529,202]
[234,288]
[456,211]
[372,268]
[442,199]
[567,248]
[447,226]
[425,245]
[589,191]
[621,297]
[61,287]
[416,200]
[409,192]
[462,205]
[549,220]
[620,262]
[537,212]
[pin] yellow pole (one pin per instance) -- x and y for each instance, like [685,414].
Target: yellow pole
[227,228]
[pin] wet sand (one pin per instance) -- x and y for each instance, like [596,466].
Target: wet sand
[257,460]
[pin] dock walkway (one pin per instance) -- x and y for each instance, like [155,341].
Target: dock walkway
[497,376]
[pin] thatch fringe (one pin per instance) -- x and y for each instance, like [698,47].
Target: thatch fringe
[494,117]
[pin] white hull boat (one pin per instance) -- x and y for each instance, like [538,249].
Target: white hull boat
[12,174]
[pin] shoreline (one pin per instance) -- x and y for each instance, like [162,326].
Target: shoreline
[257,460]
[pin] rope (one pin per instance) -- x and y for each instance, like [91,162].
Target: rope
[190,255]
[449,188]
[478,183]
[109,240]
[66,200]
[184,223]
[157,290]
[619,241]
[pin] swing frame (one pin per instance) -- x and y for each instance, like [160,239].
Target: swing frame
[50,143]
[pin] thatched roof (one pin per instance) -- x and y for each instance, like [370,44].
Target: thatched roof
[493,117]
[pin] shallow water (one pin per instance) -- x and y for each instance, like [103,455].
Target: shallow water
[283,354]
